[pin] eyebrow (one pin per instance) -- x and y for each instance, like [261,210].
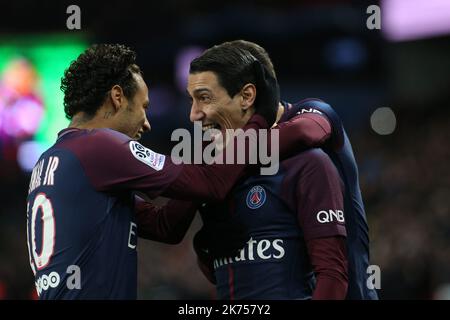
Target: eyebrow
[199,90]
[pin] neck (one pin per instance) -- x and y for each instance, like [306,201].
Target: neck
[83,121]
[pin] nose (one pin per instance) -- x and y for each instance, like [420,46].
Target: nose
[196,113]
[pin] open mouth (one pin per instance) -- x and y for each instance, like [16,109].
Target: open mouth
[210,126]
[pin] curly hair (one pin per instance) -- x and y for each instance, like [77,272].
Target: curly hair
[91,76]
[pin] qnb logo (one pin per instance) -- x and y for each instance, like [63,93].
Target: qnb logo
[310,110]
[330,216]
[47,281]
[255,250]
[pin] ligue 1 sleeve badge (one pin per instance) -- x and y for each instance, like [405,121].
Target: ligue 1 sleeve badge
[256,197]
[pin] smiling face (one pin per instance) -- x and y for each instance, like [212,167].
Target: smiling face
[213,106]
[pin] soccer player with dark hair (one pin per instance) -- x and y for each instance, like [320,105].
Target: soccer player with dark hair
[262,215]
[274,237]
[81,207]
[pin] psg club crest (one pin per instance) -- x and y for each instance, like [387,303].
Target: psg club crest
[256,197]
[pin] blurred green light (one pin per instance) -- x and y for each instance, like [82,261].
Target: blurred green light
[50,55]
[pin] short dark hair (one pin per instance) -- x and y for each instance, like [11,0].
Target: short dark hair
[258,52]
[232,66]
[91,76]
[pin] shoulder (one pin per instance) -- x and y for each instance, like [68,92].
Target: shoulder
[83,140]
[311,167]
[95,144]
[106,135]
[318,107]
[305,106]
[311,105]
[309,159]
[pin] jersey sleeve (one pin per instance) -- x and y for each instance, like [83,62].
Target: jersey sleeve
[329,261]
[168,223]
[114,162]
[320,192]
[304,131]
[324,116]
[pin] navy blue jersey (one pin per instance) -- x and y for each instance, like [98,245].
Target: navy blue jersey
[81,222]
[280,212]
[340,151]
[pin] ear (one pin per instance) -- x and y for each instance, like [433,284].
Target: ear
[248,96]
[117,97]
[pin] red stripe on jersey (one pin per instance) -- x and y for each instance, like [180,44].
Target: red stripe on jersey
[231,281]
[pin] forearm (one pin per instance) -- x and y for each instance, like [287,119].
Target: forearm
[329,260]
[168,223]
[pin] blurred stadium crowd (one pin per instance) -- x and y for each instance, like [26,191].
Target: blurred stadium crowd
[320,49]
